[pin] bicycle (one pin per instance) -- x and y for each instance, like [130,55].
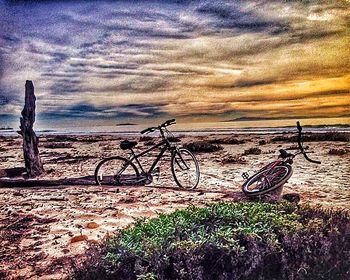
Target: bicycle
[122,171]
[275,174]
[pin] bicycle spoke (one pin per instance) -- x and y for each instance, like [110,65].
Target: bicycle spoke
[185,169]
[116,171]
[267,179]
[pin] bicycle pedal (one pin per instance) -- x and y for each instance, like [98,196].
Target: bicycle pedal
[245,175]
[156,171]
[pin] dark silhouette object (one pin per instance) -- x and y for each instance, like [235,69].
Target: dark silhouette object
[275,174]
[32,159]
[12,172]
[292,197]
[129,171]
[18,182]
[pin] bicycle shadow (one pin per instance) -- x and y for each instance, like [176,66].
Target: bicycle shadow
[201,191]
[13,178]
[16,178]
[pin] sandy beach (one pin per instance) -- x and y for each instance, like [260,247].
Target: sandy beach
[43,228]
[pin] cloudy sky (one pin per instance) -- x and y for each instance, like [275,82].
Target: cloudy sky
[102,62]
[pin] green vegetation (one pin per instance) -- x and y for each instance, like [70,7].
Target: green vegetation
[227,241]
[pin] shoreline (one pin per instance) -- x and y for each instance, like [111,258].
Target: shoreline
[193,132]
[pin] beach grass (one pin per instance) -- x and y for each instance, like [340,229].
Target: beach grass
[227,241]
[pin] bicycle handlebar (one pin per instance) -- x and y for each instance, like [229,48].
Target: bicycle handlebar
[301,146]
[164,124]
[147,130]
[311,160]
[168,122]
[299,126]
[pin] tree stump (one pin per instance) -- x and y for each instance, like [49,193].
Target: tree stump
[32,159]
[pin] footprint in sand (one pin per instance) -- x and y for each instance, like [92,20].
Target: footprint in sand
[92,225]
[78,238]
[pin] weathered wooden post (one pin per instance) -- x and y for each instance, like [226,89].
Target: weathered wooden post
[32,159]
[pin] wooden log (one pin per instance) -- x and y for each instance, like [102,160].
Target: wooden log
[32,159]
[6,182]
[18,182]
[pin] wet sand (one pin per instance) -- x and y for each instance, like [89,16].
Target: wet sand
[41,229]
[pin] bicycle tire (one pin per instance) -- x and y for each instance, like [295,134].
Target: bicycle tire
[277,181]
[113,180]
[176,163]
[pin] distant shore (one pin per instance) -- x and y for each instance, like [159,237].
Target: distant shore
[191,132]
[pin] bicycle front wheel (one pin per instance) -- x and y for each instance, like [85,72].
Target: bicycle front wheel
[116,171]
[267,180]
[185,169]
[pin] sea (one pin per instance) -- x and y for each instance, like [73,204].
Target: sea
[200,128]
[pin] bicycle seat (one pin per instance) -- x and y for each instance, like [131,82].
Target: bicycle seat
[126,144]
[284,154]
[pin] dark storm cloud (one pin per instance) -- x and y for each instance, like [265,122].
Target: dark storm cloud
[253,83]
[120,66]
[230,15]
[137,86]
[9,40]
[150,110]
[4,99]
[2,67]
[86,110]
[8,96]
[246,83]
[61,75]
[65,86]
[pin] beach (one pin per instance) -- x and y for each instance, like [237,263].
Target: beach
[44,228]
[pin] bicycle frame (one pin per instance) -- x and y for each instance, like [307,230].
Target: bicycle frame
[265,176]
[166,146]
[270,167]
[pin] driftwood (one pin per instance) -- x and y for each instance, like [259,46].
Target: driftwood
[21,182]
[18,182]
[32,159]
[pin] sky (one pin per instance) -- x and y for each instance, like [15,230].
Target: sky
[107,62]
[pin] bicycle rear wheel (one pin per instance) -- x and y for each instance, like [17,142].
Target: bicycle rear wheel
[267,180]
[185,169]
[116,171]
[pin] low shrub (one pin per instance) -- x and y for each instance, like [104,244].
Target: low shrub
[70,159]
[227,141]
[252,151]
[174,139]
[145,138]
[58,145]
[148,140]
[315,137]
[338,152]
[75,138]
[233,159]
[262,142]
[150,143]
[203,147]
[226,241]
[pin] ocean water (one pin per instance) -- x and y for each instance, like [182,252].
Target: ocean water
[204,128]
